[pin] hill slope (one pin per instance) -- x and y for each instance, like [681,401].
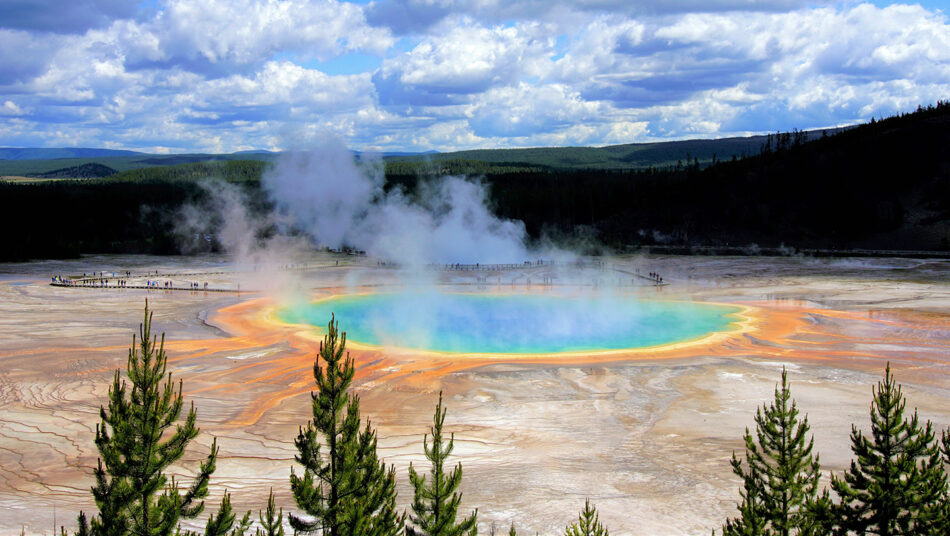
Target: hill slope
[883,185]
[29,153]
[32,167]
[84,171]
[28,161]
[627,156]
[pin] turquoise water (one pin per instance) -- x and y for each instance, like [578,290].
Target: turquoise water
[512,323]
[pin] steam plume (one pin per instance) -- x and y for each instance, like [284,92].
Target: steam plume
[338,202]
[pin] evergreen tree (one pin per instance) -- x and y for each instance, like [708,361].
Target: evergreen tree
[780,479]
[587,524]
[271,520]
[346,491]
[435,503]
[751,520]
[132,493]
[897,485]
[945,514]
[222,524]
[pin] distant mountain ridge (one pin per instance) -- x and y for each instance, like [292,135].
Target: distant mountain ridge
[33,161]
[126,162]
[625,156]
[40,153]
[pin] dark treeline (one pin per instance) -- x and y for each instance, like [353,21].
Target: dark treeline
[229,171]
[66,218]
[84,171]
[400,169]
[130,212]
[896,485]
[882,185]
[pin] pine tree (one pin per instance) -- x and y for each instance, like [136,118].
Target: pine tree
[780,479]
[897,485]
[945,511]
[751,520]
[587,524]
[132,493]
[346,491]
[435,503]
[222,523]
[271,520]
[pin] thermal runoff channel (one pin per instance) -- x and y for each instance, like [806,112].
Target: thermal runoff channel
[513,323]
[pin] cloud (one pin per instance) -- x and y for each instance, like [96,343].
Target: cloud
[899,42]
[420,16]
[57,16]
[828,60]
[407,16]
[11,109]
[526,109]
[283,83]
[32,57]
[466,59]
[220,75]
[218,36]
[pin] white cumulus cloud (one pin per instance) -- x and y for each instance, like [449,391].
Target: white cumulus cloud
[224,75]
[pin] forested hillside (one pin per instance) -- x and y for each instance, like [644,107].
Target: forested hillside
[883,185]
[631,156]
[32,162]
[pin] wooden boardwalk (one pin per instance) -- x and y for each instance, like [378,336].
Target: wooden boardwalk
[146,287]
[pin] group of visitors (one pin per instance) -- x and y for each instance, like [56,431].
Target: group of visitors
[110,280]
[170,285]
[59,280]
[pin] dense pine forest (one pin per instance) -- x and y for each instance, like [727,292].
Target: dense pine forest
[883,185]
[896,484]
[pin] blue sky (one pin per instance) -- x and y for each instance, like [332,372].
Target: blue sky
[418,75]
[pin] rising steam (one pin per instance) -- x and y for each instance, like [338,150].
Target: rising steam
[247,237]
[338,203]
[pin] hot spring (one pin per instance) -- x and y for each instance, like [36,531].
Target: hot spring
[513,323]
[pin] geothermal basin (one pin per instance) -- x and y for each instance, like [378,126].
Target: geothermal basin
[646,433]
[521,323]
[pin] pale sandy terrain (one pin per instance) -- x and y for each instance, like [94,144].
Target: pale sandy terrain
[646,435]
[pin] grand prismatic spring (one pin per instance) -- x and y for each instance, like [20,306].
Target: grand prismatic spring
[515,323]
[645,427]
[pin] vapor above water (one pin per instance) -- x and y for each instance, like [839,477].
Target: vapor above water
[339,203]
